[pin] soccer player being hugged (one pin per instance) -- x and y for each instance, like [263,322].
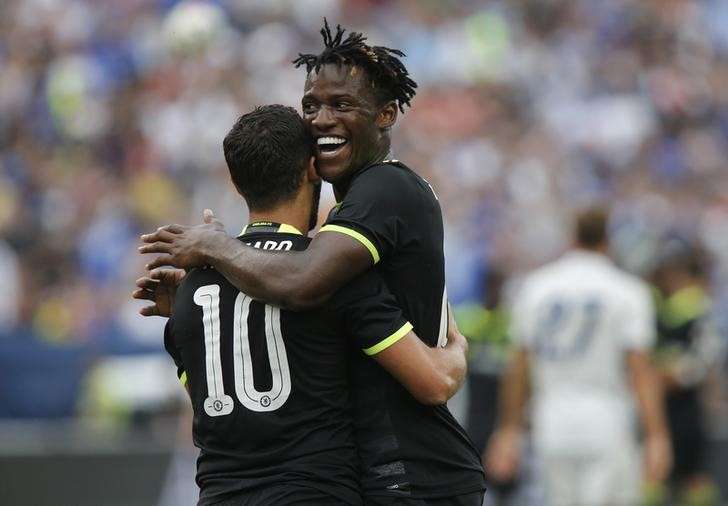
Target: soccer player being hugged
[388,218]
[270,387]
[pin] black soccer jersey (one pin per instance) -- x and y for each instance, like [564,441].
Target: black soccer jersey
[269,387]
[406,448]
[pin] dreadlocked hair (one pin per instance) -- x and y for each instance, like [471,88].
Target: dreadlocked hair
[388,74]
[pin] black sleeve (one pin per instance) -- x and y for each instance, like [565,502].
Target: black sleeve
[173,351]
[375,209]
[370,313]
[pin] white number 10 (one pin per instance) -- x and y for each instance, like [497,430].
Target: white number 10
[217,402]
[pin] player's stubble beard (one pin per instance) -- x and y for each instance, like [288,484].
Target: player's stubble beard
[315,202]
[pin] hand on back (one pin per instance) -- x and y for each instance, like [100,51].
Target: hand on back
[182,246]
[160,287]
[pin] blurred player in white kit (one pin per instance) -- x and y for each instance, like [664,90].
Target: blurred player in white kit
[583,331]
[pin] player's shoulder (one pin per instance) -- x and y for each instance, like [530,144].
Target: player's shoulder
[543,275]
[550,277]
[200,276]
[196,279]
[630,285]
[386,168]
[531,286]
[601,269]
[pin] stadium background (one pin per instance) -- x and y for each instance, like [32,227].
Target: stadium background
[111,120]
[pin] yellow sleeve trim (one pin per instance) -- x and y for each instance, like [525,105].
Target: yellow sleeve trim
[356,235]
[386,343]
[183,378]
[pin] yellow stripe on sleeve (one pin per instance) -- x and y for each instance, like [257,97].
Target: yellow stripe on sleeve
[356,235]
[386,343]
[183,378]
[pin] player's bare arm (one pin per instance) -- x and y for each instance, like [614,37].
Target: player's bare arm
[293,280]
[657,452]
[431,375]
[502,456]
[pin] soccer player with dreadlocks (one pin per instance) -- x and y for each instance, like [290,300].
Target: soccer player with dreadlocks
[388,218]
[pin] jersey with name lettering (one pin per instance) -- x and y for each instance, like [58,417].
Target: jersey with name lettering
[269,387]
[407,449]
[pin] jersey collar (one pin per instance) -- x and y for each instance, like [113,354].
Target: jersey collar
[269,227]
[387,161]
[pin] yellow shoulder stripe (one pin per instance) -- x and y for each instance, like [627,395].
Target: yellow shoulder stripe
[386,343]
[284,228]
[356,235]
[183,378]
[289,229]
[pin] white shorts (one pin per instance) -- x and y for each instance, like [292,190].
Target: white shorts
[609,478]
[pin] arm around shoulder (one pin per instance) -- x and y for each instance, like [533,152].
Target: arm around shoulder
[294,280]
[297,280]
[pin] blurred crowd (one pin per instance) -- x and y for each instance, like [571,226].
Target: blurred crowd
[112,116]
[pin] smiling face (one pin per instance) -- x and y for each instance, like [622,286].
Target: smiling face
[350,129]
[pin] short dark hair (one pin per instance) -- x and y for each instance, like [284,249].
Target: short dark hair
[678,253]
[591,227]
[387,73]
[266,151]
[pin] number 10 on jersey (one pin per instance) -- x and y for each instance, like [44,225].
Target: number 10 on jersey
[217,402]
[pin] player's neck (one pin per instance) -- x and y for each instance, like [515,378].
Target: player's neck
[289,213]
[342,187]
[281,216]
[295,211]
[602,249]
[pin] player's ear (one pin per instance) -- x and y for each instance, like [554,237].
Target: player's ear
[387,115]
[311,174]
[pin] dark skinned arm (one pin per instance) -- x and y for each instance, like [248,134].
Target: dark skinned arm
[296,280]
